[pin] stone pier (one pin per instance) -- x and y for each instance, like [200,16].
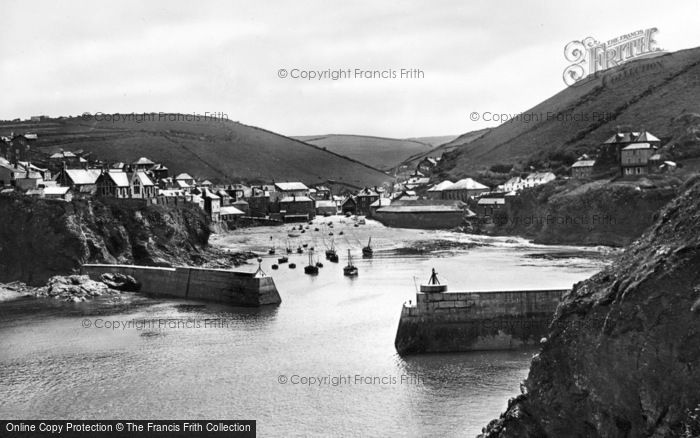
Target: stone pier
[218,285]
[442,321]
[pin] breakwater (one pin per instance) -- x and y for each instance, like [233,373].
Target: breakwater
[218,285]
[442,321]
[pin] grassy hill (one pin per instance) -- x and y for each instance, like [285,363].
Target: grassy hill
[379,152]
[656,94]
[448,146]
[216,150]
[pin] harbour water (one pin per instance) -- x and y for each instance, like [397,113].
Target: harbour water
[321,364]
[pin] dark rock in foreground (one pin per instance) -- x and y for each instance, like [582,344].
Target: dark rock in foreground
[622,357]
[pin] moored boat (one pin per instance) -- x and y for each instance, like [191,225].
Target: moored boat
[350,270]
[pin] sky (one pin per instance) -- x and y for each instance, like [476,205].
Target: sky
[197,57]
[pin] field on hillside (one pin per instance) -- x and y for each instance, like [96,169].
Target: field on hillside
[379,152]
[216,150]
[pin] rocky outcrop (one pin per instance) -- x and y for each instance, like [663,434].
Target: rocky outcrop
[566,213]
[622,355]
[42,238]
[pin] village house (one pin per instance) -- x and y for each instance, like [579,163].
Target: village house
[426,165]
[159,171]
[141,186]
[326,207]
[435,192]
[143,164]
[582,169]
[212,205]
[225,197]
[184,181]
[81,181]
[242,206]
[416,181]
[297,208]
[113,183]
[634,158]
[288,189]
[514,184]
[323,193]
[464,189]
[349,205]
[16,148]
[620,140]
[485,207]
[538,178]
[10,173]
[364,199]
[66,159]
[230,213]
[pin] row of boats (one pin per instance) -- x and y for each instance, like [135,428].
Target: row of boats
[312,268]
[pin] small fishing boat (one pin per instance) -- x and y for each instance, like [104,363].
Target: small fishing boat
[319,264]
[315,229]
[361,221]
[289,248]
[292,234]
[331,255]
[367,250]
[305,245]
[299,250]
[350,270]
[331,233]
[292,265]
[272,250]
[341,233]
[311,268]
[282,259]
[275,266]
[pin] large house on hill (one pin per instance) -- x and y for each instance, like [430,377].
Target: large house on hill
[635,159]
[464,189]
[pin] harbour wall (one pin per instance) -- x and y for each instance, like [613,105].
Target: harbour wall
[469,321]
[218,285]
[422,220]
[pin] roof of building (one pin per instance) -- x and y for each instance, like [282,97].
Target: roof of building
[296,199]
[632,137]
[206,182]
[440,186]
[419,209]
[491,201]
[209,194]
[325,204]
[56,190]
[63,154]
[655,157]
[467,184]
[636,146]
[584,163]
[381,202]
[183,176]
[159,167]
[120,179]
[182,184]
[143,161]
[230,209]
[83,176]
[291,186]
[540,175]
[143,178]
[240,202]
[367,192]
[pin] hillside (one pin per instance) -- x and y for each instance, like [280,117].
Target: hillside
[448,146]
[379,152]
[651,94]
[622,356]
[214,149]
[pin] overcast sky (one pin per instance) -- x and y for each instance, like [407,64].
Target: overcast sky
[70,57]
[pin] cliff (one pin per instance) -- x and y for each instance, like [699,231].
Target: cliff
[622,356]
[41,238]
[572,213]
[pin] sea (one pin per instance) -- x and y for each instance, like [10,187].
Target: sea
[322,363]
